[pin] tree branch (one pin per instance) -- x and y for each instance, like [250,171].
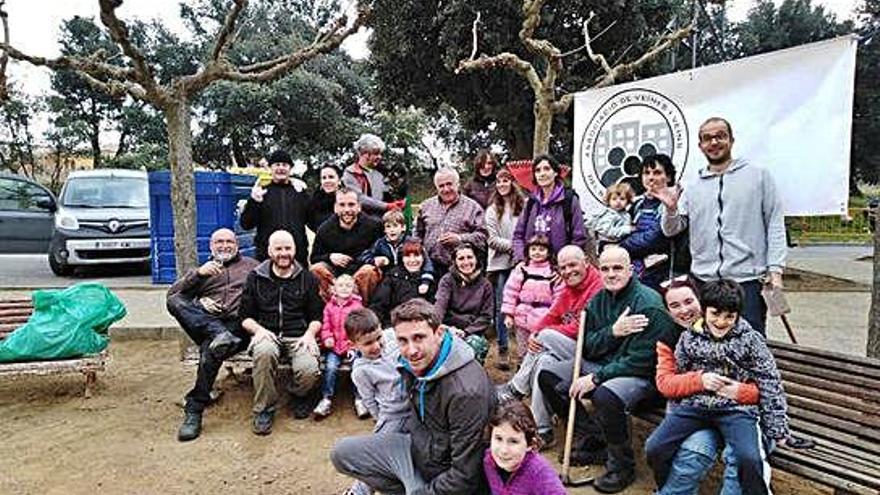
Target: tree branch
[623,71]
[504,60]
[531,10]
[598,59]
[119,34]
[475,31]
[225,36]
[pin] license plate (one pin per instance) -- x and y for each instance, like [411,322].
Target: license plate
[112,244]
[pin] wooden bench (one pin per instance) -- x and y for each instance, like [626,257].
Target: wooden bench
[834,400]
[15,313]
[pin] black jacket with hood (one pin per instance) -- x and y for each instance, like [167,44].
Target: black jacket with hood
[451,405]
[284,306]
[282,208]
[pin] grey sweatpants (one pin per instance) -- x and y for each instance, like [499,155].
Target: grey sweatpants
[382,460]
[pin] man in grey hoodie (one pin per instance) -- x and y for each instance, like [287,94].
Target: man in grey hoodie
[734,212]
[450,397]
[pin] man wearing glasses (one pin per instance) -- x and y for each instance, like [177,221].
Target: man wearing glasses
[735,217]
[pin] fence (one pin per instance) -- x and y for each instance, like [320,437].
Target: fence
[856,227]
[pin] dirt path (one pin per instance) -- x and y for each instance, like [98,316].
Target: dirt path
[122,441]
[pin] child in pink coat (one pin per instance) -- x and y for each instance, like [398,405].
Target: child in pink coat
[334,341]
[530,291]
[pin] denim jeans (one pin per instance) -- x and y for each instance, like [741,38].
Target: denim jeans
[331,371]
[694,459]
[500,279]
[202,327]
[740,429]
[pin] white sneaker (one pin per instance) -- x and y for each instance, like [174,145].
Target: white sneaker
[360,409]
[322,410]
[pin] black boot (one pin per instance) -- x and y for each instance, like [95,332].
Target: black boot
[224,344]
[620,470]
[191,427]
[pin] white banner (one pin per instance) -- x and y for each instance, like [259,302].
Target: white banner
[791,113]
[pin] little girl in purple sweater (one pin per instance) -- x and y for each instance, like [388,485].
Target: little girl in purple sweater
[512,463]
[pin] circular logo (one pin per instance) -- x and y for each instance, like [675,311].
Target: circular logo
[113,225]
[627,128]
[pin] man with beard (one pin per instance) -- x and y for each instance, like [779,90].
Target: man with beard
[339,243]
[205,302]
[449,219]
[734,217]
[278,206]
[281,310]
[624,322]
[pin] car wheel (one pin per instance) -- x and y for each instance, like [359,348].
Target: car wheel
[58,268]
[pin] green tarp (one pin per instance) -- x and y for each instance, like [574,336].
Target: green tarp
[66,323]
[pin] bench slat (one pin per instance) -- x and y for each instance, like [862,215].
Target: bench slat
[830,397]
[830,375]
[842,472]
[795,467]
[837,438]
[798,349]
[845,389]
[834,412]
[824,363]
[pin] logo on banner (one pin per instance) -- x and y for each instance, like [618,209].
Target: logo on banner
[627,128]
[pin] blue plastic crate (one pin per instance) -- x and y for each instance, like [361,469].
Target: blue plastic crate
[218,196]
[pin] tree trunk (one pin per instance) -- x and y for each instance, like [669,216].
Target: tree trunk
[543,123]
[183,190]
[874,315]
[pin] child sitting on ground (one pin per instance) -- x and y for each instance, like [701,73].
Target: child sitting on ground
[512,463]
[723,348]
[529,292]
[375,376]
[335,342]
[614,223]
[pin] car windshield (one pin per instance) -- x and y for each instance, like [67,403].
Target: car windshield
[106,192]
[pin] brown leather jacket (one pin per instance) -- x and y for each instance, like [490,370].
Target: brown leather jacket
[224,288]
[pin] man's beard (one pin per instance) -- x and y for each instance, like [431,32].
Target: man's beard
[720,160]
[223,256]
[283,260]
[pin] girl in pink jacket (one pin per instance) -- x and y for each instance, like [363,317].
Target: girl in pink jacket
[530,291]
[334,341]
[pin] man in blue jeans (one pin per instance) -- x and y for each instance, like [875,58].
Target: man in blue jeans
[205,303]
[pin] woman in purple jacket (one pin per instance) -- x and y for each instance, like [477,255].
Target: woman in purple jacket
[552,209]
[512,463]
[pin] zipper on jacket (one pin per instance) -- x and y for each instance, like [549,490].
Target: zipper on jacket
[280,309]
[720,224]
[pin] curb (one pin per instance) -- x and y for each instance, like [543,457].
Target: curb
[20,288]
[160,332]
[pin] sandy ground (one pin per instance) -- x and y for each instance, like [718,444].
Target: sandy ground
[122,441]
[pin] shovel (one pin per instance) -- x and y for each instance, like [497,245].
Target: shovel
[565,476]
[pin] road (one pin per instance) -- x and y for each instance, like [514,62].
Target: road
[32,271]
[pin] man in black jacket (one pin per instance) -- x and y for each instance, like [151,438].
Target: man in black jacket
[339,243]
[278,206]
[282,311]
[451,399]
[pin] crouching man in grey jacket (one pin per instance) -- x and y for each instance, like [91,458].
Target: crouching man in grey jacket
[451,400]
[734,214]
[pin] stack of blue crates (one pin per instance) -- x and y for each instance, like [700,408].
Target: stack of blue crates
[219,198]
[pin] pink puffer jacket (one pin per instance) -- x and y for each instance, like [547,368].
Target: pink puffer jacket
[528,294]
[333,325]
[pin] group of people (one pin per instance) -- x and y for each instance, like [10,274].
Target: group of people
[666,289]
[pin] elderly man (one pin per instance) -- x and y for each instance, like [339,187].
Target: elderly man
[448,219]
[451,400]
[281,310]
[555,341]
[205,303]
[364,177]
[278,206]
[624,322]
[339,243]
[734,217]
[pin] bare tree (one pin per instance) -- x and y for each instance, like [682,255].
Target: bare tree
[173,99]
[547,100]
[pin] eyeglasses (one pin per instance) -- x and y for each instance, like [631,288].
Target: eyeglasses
[720,137]
[666,283]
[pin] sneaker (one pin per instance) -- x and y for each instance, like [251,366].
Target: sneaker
[503,361]
[322,410]
[548,440]
[358,488]
[191,427]
[615,481]
[360,409]
[224,344]
[263,422]
[301,407]
[506,393]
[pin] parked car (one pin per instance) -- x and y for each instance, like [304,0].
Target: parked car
[26,212]
[103,218]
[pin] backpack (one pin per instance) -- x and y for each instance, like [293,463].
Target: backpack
[567,200]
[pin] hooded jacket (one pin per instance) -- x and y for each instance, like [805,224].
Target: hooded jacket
[735,223]
[465,303]
[397,287]
[451,404]
[534,476]
[284,306]
[282,208]
[546,216]
[529,293]
[333,324]
[225,288]
[384,247]
[648,238]
[380,385]
[741,354]
[371,201]
[635,354]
